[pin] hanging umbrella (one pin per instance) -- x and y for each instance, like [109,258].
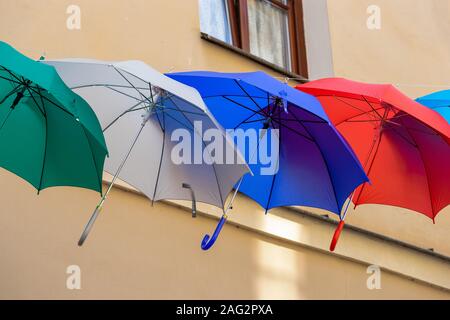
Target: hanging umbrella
[140,110]
[316,168]
[49,136]
[403,146]
[438,101]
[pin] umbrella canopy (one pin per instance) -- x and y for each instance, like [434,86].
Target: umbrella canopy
[49,136]
[403,146]
[140,109]
[316,167]
[438,101]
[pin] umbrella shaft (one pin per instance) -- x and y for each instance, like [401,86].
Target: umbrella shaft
[116,175]
[92,219]
[234,196]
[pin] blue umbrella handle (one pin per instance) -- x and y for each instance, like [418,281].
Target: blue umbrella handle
[208,241]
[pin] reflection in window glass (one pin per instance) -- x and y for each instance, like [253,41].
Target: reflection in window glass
[214,19]
[269,32]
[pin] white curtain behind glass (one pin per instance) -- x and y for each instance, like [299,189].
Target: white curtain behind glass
[268,32]
[214,19]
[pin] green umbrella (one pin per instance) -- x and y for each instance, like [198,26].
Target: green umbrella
[49,135]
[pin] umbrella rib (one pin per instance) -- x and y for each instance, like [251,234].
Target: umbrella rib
[371,163]
[6,118]
[105,85]
[424,132]
[12,74]
[93,159]
[373,109]
[347,103]
[55,104]
[122,114]
[35,102]
[402,136]
[10,93]
[129,82]
[151,92]
[306,121]
[304,127]
[10,80]
[293,130]
[45,149]
[230,95]
[325,162]
[175,119]
[402,115]
[246,119]
[190,112]
[352,106]
[252,121]
[358,115]
[159,120]
[213,166]
[426,174]
[246,93]
[244,106]
[135,76]
[161,158]
[274,176]
[270,192]
[123,93]
[203,143]
[268,103]
[156,112]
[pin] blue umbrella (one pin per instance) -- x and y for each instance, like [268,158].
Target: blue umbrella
[438,101]
[316,167]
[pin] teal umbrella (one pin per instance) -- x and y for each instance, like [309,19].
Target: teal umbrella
[49,135]
[438,101]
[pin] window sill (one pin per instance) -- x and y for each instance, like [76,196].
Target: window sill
[254,58]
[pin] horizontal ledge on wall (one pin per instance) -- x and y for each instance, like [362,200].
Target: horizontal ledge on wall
[371,234]
[438,261]
[252,57]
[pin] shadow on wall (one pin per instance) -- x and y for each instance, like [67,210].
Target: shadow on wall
[137,251]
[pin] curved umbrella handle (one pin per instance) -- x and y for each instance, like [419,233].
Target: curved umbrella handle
[194,206]
[208,241]
[337,234]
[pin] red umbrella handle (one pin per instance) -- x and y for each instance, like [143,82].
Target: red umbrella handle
[337,234]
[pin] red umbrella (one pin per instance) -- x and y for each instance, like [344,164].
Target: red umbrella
[403,146]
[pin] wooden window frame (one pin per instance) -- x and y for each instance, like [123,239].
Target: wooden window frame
[238,13]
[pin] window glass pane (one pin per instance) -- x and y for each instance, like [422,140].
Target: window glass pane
[269,32]
[214,19]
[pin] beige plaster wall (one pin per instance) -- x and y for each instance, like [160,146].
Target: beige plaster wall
[139,251]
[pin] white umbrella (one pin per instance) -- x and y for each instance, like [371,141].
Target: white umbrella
[139,109]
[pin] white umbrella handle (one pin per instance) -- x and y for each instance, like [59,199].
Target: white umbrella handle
[89,225]
[194,206]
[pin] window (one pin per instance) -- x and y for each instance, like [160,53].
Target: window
[214,19]
[269,29]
